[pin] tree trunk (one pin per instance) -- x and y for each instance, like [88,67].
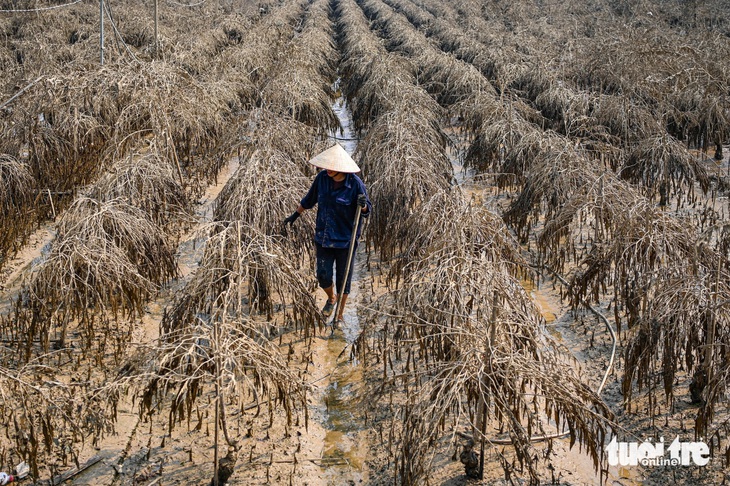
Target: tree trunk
[718,151]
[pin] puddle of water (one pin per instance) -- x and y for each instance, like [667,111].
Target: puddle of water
[26,261]
[557,335]
[339,397]
[456,152]
[42,257]
[343,450]
[547,309]
[346,136]
[191,248]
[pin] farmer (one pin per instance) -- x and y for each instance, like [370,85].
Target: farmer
[338,192]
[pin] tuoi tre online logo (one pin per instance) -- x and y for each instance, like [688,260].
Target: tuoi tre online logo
[655,454]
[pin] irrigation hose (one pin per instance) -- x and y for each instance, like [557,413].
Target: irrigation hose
[614,338]
[341,139]
[40,9]
[186,5]
[540,438]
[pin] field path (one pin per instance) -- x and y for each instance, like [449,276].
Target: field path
[336,437]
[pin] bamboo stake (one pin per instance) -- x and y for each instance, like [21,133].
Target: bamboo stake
[709,351]
[157,44]
[217,402]
[50,198]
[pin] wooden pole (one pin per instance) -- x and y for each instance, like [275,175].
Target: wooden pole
[353,242]
[710,340]
[50,198]
[157,45]
[216,350]
[101,31]
[492,337]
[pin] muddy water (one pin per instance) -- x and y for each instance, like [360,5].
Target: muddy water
[543,300]
[456,151]
[343,450]
[18,269]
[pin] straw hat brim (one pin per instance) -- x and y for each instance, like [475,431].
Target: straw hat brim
[337,159]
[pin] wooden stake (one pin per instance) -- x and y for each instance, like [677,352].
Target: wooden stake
[50,198]
[157,45]
[101,31]
[217,404]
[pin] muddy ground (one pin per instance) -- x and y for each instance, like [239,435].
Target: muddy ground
[344,440]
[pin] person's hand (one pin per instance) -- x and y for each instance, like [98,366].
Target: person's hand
[362,201]
[290,220]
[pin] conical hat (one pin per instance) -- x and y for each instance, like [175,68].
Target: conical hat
[335,158]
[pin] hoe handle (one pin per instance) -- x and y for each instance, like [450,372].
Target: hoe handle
[353,240]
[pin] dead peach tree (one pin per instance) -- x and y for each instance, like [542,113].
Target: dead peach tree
[17,197]
[260,197]
[107,261]
[404,162]
[295,140]
[147,180]
[665,168]
[462,339]
[665,274]
[216,339]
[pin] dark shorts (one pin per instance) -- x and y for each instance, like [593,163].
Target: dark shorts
[329,258]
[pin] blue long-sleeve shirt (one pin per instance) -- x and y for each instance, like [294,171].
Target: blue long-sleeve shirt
[336,209]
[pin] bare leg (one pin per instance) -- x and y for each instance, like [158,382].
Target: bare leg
[330,291]
[342,306]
